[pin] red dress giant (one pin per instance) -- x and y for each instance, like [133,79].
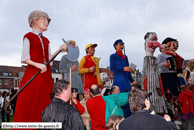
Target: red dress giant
[36,96]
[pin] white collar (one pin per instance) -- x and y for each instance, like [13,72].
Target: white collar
[36,31]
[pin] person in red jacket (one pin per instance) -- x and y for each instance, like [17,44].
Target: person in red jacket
[186,99]
[96,108]
[36,52]
[75,103]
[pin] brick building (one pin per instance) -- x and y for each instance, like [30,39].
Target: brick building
[10,77]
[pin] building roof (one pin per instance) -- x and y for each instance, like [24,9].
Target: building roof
[16,70]
[5,70]
[10,71]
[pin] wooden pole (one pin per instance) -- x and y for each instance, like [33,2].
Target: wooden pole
[124,48]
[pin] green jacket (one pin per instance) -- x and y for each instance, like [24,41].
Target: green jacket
[114,103]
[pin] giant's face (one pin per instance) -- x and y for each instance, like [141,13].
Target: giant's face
[119,46]
[174,46]
[73,44]
[91,50]
[150,42]
[42,23]
[165,49]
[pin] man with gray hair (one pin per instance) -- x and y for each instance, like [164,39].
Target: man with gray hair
[60,111]
[115,90]
[36,53]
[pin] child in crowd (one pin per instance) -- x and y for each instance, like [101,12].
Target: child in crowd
[168,98]
[168,95]
[177,117]
[114,121]
[177,113]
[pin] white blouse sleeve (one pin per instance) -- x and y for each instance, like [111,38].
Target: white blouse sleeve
[25,50]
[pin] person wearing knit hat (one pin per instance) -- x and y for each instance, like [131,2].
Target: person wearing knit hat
[119,65]
[35,53]
[173,46]
[89,66]
[85,116]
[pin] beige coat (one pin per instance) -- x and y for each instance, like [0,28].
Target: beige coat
[85,116]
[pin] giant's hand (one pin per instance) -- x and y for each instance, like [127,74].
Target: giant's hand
[166,64]
[92,69]
[74,67]
[42,67]
[64,47]
[127,69]
[134,82]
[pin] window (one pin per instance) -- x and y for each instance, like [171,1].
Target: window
[5,74]
[19,82]
[10,74]
[16,83]
[5,82]
[0,82]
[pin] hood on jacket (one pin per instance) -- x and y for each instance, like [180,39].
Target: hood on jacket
[188,93]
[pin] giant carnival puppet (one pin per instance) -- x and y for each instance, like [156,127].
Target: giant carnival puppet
[167,73]
[70,61]
[35,53]
[119,65]
[89,66]
[151,80]
[190,74]
[177,61]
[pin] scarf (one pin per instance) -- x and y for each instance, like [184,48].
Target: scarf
[120,53]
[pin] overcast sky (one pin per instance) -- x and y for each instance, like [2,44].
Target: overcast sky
[101,22]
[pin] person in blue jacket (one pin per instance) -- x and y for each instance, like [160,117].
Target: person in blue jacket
[119,65]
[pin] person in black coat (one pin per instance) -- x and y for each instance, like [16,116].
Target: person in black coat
[13,103]
[60,111]
[141,119]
